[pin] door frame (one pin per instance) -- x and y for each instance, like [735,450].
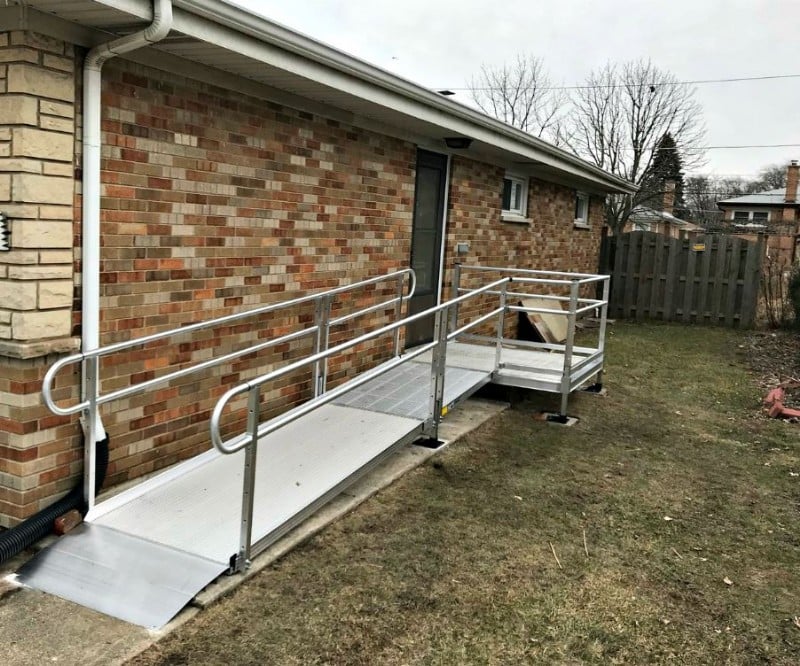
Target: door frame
[441,231]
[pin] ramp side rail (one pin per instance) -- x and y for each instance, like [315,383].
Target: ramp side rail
[577,306]
[92,397]
[256,430]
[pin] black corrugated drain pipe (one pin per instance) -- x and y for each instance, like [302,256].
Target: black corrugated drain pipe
[39,525]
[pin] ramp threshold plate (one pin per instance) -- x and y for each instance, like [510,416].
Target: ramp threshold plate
[133,579]
[170,536]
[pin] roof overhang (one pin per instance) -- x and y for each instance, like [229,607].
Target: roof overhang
[213,40]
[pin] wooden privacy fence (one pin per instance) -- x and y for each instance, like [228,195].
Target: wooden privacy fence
[712,279]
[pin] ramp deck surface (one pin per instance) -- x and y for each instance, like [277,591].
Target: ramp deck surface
[146,552]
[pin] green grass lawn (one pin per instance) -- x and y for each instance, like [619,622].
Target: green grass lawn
[687,497]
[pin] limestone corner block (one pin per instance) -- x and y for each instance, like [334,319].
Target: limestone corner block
[40,325]
[30,142]
[34,80]
[42,234]
[55,294]
[18,110]
[5,188]
[31,188]
[18,295]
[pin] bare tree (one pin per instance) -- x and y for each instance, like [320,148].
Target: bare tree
[619,117]
[520,93]
[772,177]
[701,194]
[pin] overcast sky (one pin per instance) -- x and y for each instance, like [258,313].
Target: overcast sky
[441,43]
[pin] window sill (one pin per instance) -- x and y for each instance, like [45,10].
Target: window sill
[513,218]
[581,225]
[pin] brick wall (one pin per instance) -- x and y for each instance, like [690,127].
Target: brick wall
[213,203]
[38,451]
[549,242]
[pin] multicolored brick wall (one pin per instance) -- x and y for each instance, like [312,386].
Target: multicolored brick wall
[550,241]
[214,203]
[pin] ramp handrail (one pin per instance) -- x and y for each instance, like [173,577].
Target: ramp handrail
[92,399]
[240,441]
[577,306]
[212,323]
[255,430]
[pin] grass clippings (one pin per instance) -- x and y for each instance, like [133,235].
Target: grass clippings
[454,563]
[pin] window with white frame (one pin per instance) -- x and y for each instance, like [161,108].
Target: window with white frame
[515,197]
[581,209]
[755,216]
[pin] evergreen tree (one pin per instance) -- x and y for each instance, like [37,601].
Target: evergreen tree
[666,165]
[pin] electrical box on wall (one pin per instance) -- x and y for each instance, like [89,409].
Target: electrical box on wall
[5,233]
[462,248]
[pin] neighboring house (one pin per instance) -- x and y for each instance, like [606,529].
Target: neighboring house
[775,213]
[660,222]
[240,163]
[646,218]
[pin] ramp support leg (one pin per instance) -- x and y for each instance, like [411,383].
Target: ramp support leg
[567,370]
[438,365]
[241,561]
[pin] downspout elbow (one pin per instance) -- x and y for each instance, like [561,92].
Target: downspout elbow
[158,29]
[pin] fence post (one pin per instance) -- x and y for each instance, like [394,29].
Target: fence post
[752,281]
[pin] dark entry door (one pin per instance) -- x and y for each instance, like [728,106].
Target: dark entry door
[426,240]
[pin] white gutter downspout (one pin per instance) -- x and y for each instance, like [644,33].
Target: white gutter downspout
[90,258]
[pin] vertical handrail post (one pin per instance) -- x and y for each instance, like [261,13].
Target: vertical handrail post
[438,367]
[454,288]
[322,316]
[567,371]
[398,313]
[501,326]
[90,374]
[248,481]
[601,338]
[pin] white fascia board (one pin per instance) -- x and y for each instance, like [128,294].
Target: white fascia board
[239,31]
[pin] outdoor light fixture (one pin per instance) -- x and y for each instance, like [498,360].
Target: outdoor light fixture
[5,233]
[458,142]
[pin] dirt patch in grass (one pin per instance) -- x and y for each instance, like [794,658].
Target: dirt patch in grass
[774,358]
[687,498]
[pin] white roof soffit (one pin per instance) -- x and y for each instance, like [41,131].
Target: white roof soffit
[277,56]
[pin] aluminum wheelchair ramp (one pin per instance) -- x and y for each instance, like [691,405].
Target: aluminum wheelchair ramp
[143,554]
[148,551]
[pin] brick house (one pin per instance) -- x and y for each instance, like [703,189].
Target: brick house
[775,213]
[239,163]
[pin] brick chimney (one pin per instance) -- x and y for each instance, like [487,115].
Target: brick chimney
[792,172]
[669,196]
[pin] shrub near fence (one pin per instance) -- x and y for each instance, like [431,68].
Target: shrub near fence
[712,279]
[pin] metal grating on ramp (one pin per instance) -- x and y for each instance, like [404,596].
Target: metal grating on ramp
[405,391]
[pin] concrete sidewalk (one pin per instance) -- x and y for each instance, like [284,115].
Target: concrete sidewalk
[36,628]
